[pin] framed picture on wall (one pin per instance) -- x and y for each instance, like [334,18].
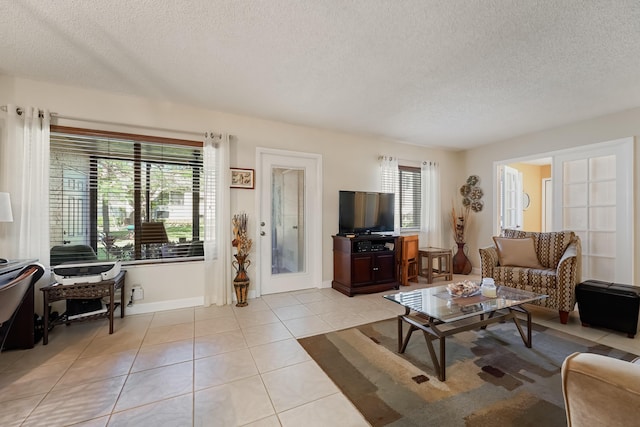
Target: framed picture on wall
[242,178]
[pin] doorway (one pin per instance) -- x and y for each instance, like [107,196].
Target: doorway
[521,200]
[290,228]
[589,191]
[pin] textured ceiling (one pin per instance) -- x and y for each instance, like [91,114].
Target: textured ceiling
[449,73]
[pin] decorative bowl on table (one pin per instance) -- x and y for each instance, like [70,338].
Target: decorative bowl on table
[466,288]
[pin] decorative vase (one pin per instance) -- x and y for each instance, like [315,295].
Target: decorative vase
[241,281]
[461,264]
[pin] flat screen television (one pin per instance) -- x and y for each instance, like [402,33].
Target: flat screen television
[363,212]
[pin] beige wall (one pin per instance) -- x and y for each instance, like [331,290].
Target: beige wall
[480,161]
[349,161]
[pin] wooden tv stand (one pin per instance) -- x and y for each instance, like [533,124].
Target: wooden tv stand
[364,264]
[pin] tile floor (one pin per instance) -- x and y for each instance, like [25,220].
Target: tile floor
[214,366]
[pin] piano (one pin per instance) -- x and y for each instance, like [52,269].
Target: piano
[18,331]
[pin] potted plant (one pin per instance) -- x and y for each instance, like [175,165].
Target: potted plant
[471,202]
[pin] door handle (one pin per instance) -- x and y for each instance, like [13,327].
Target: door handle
[295,227]
[262,233]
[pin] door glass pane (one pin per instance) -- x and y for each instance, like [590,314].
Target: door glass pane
[287,221]
[575,171]
[602,218]
[602,167]
[575,194]
[601,267]
[575,219]
[602,193]
[602,243]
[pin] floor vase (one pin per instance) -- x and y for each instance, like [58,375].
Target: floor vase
[461,264]
[241,281]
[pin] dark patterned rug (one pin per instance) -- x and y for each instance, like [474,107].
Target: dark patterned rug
[492,378]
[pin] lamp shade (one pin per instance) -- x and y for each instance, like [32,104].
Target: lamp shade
[153,232]
[5,208]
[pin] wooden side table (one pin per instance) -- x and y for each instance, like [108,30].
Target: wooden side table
[445,263]
[105,288]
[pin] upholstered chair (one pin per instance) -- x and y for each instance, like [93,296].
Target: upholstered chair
[600,391]
[545,263]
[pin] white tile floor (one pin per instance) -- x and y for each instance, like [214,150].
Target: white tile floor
[214,366]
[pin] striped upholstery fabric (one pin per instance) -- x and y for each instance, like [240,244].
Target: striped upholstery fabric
[558,252]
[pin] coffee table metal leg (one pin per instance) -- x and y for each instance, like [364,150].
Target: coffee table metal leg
[400,334]
[438,365]
[527,339]
[402,347]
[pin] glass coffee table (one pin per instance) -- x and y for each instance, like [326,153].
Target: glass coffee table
[439,315]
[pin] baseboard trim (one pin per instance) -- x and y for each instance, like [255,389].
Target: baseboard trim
[150,307]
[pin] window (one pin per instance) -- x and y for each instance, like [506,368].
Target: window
[409,197]
[127,197]
[406,183]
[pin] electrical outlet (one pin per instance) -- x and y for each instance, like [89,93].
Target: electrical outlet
[138,293]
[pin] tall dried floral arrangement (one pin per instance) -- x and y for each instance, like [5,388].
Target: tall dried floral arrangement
[459,222]
[240,239]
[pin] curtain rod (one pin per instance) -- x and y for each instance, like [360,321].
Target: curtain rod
[19,111]
[423,162]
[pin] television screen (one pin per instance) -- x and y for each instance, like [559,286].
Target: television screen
[365,212]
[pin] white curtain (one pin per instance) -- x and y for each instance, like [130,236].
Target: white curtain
[25,176]
[389,183]
[217,219]
[431,215]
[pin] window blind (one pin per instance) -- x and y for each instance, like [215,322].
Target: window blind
[128,197]
[410,196]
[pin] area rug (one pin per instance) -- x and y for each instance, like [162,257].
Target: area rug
[492,378]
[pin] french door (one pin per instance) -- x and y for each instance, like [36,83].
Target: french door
[594,198]
[290,224]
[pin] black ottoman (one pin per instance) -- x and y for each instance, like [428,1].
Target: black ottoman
[609,305]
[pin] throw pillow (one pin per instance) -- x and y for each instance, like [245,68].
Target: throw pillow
[517,252]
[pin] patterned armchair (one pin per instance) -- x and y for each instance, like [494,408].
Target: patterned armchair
[558,255]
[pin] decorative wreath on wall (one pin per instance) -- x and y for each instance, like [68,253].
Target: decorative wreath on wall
[472,194]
